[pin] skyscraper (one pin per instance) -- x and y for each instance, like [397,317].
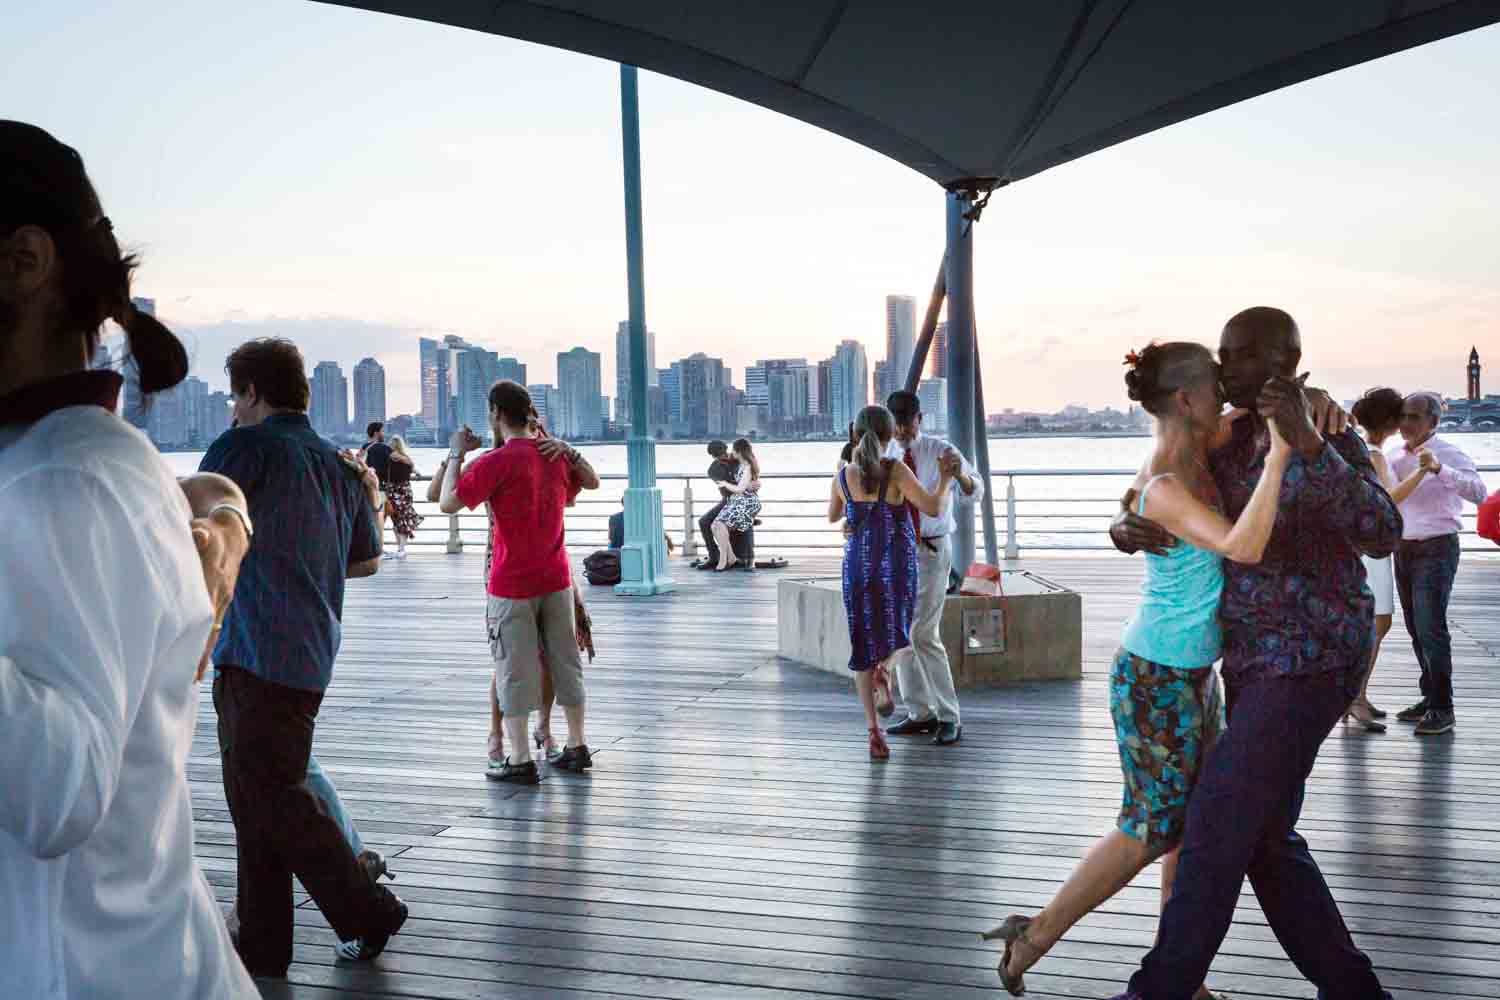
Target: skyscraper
[167,417]
[477,370]
[933,394]
[547,402]
[787,396]
[758,377]
[369,393]
[428,378]
[851,382]
[658,412]
[439,372]
[821,401]
[937,356]
[216,416]
[883,381]
[578,380]
[329,412]
[670,380]
[622,369]
[511,370]
[900,336]
[700,376]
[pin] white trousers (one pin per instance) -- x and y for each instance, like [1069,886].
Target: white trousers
[922,669]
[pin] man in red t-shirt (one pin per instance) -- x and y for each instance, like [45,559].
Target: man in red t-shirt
[527,483]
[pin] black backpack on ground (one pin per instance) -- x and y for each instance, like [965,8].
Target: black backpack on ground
[602,568]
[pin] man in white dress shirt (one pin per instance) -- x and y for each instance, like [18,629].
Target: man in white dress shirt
[1427,558]
[922,669]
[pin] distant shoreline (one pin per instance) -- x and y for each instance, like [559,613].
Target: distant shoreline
[1016,436]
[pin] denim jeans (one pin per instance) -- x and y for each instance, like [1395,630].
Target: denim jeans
[319,784]
[1241,821]
[1424,581]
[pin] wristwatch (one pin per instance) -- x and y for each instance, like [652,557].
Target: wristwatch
[238,512]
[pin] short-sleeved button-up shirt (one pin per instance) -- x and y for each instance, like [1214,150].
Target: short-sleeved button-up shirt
[1305,608]
[312,520]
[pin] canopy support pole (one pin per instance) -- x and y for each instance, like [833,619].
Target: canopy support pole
[982,463]
[643,560]
[961,355]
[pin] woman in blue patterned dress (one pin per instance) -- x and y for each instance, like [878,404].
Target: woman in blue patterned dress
[1163,692]
[874,496]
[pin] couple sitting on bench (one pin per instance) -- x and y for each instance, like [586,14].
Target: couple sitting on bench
[730,524]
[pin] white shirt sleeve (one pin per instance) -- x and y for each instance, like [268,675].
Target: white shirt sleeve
[80,612]
[1460,475]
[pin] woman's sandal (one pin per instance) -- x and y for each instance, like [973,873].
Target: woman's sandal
[1013,933]
[545,743]
[879,749]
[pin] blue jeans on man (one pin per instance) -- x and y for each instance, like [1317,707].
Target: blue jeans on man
[1424,581]
[1241,821]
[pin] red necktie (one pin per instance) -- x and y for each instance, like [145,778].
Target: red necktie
[916,517]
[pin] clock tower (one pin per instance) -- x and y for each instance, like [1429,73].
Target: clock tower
[1473,374]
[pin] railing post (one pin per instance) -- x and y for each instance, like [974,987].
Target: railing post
[1012,546]
[455,540]
[689,527]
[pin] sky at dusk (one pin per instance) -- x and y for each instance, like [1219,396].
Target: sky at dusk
[355,181]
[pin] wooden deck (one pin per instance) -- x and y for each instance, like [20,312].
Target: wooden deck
[735,841]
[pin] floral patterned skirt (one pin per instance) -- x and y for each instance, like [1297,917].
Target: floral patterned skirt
[404,516]
[1165,719]
[740,511]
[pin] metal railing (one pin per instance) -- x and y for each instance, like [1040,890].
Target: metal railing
[1066,510]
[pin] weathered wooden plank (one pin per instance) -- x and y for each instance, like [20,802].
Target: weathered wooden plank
[734,839]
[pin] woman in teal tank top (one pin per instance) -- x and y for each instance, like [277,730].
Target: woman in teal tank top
[1164,694]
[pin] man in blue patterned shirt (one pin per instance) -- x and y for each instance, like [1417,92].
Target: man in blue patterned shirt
[315,526]
[1298,632]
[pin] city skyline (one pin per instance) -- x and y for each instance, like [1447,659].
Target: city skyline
[1360,201]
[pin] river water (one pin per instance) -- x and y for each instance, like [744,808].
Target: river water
[1063,510]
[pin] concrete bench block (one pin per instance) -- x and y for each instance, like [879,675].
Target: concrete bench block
[1034,632]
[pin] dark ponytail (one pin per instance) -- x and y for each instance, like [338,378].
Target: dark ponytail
[43,183]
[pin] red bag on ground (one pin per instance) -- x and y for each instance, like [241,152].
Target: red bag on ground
[1489,518]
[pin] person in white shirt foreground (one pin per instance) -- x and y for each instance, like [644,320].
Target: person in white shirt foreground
[1427,558]
[104,616]
[922,671]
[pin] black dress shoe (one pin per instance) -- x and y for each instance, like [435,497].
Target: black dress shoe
[913,727]
[576,759]
[947,734]
[516,774]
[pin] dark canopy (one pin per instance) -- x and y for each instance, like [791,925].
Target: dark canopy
[964,89]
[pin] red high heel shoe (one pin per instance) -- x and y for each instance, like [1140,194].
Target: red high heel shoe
[879,749]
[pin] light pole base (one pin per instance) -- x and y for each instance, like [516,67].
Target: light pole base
[643,558]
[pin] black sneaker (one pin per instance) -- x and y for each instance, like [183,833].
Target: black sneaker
[1435,722]
[516,774]
[1414,714]
[576,759]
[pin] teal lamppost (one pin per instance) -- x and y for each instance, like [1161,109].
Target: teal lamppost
[643,560]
